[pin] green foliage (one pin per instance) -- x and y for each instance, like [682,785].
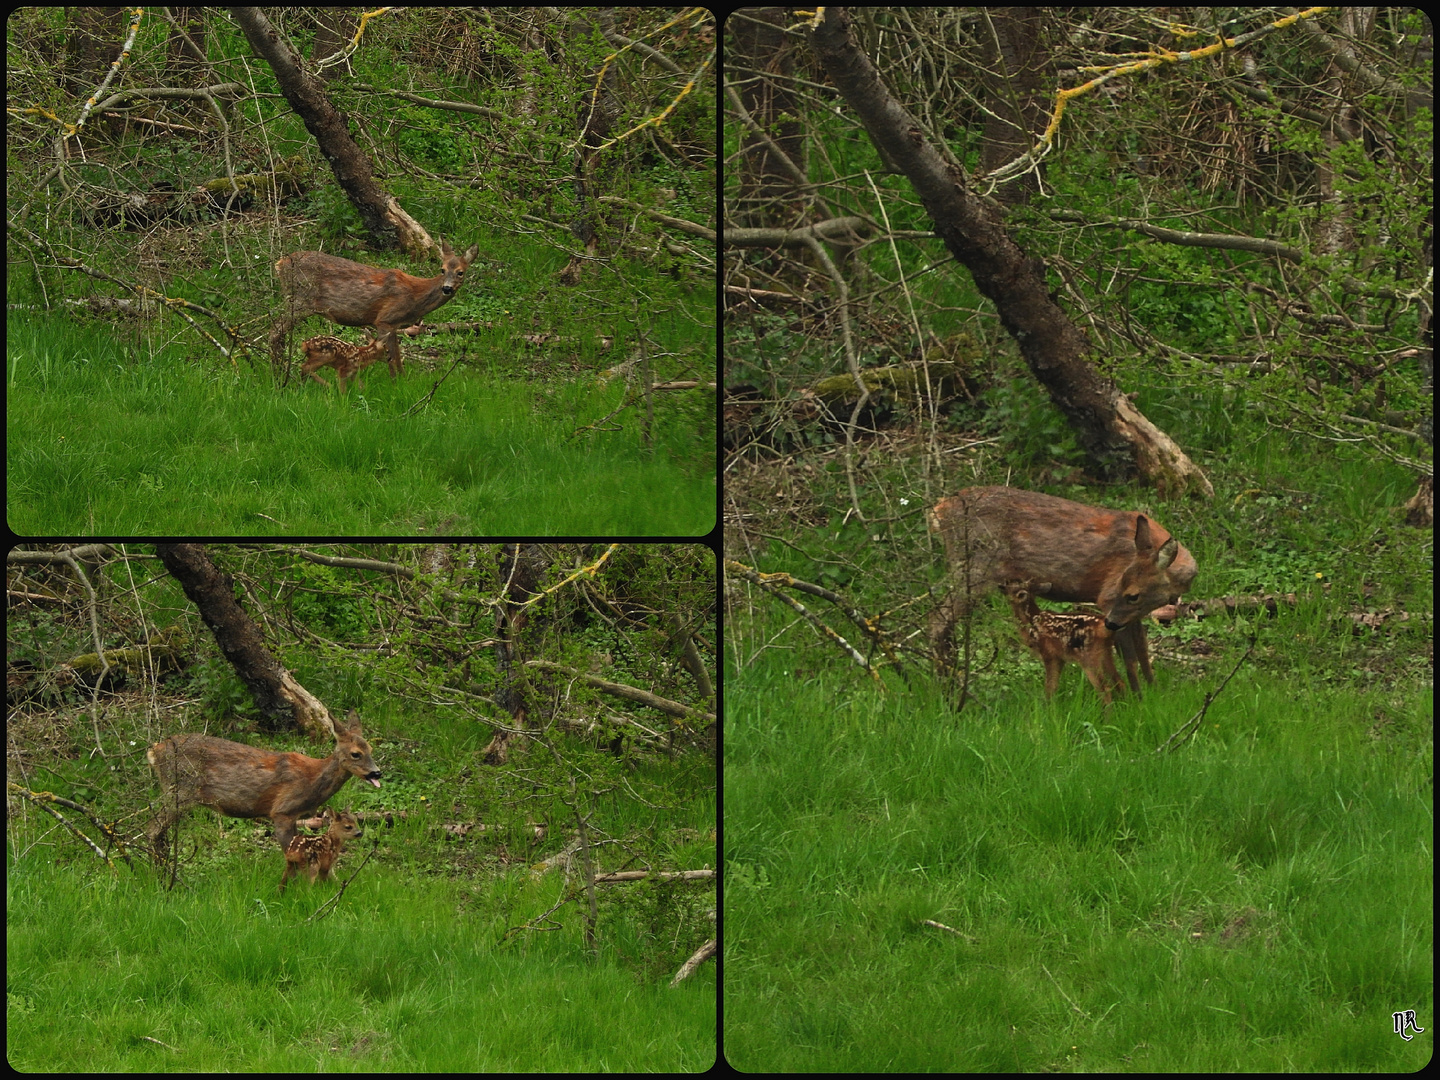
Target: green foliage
[428,138]
[229,975]
[528,370]
[333,210]
[1033,431]
[483,849]
[331,601]
[220,693]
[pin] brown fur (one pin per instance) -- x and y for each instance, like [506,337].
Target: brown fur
[346,359]
[1120,560]
[353,294]
[318,853]
[1079,637]
[1133,641]
[243,781]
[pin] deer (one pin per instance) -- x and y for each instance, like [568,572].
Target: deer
[246,782]
[346,359]
[318,853]
[353,294]
[1054,637]
[1122,561]
[1081,637]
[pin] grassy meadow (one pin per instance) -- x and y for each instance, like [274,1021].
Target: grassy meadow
[1030,885]
[451,950]
[109,436]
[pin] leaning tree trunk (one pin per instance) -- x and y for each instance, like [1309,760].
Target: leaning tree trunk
[1117,439]
[384,220]
[274,689]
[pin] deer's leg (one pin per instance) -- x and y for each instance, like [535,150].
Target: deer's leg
[388,333]
[284,829]
[942,632]
[1053,666]
[1125,643]
[1142,650]
[158,828]
[1134,644]
[1102,655]
[1098,680]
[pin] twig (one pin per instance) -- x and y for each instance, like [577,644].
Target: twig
[1187,729]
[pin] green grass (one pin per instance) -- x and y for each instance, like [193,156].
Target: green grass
[114,974]
[1260,900]
[105,440]
[447,952]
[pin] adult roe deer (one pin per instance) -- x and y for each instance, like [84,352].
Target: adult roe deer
[346,359]
[318,853]
[1119,560]
[1080,637]
[353,294]
[243,781]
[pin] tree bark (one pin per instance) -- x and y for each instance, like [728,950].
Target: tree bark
[1015,58]
[1117,439]
[274,689]
[772,156]
[521,566]
[388,225]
